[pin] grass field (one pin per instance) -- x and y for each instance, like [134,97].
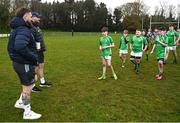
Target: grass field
[73,64]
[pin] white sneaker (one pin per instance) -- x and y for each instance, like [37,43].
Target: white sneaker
[19,104]
[31,116]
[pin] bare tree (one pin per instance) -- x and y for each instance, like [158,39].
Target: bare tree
[138,8]
[171,12]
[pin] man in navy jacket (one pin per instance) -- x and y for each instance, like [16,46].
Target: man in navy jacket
[23,53]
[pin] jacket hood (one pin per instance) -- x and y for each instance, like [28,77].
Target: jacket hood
[17,22]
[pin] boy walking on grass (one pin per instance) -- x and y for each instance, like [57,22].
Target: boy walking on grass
[160,44]
[106,43]
[123,49]
[173,39]
[147,49]
[137,46]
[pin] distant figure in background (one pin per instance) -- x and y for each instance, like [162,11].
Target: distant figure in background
[123,48]
[41,48]
[147,49]
[72,32]
[155,33]
[23,53]
[160,45]
[149,36]
[178,30]
[173,40]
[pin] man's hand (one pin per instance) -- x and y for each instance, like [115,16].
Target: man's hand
[151,52]
[176,43]
[100,48]
[103,47]
[144,50]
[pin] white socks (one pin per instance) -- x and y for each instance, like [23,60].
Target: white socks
[27,109]
[20,99]
[42,80]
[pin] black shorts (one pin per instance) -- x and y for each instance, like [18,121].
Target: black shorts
[40,57]
[161,59]
[25,72]
[135,57]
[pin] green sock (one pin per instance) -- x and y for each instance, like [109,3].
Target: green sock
[134,62]
[114,73]
[138,66]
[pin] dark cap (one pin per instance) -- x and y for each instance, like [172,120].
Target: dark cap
[36,14]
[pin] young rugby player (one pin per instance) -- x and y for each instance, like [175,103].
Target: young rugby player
[106,43]
[147,49]
[173,40]
[137,50]
[160,45]
[123,48]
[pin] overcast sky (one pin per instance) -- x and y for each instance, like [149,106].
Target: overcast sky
[114,3]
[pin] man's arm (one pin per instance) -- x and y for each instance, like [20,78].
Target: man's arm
[154,46]
[100,47]
[130,45]
[146,43]
[164,44]
[177,41]
[145,48]
[110,46]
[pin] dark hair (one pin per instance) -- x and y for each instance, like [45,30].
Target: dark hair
[22,11]
[125,31]
[104,29]
[161,28]
[143,30]
[138,30]
[171,25]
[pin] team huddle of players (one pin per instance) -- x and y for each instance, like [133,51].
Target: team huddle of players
[163,42]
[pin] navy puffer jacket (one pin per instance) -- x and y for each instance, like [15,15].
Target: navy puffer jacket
[22,45]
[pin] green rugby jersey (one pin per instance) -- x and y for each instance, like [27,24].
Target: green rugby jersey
[172,35]
[106,41]
[138,43]
[160,49]
[124,42]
